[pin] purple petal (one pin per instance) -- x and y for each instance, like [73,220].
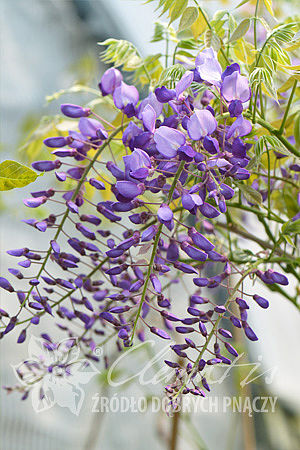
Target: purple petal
[208,66]
[236,87]
[124,95]
[149,118]
[240,127]
[168,140]
[201,123]
[184,83]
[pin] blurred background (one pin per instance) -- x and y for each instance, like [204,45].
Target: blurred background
[49,45]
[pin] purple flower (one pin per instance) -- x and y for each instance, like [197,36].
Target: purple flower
[199,240]
[262,302]
[208,66]
[235,87]
[97,184]
[193,252]
[125,95]
[168,140]
[160,333]
[111,79]
[153,102]
[46,166]
[184,83]
[165,214]
[74,111]
[138,164]
[240,127]
[164,95]
[35,202]
[5,284]
[209,211]
[200,124]
[92,128]
[250,333]
[58,141]
[128,189]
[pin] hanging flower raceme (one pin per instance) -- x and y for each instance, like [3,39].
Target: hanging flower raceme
[162,198]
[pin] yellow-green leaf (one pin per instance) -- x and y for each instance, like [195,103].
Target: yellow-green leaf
[189,16]
[240,30]
[15,175]
[269,7]
[177,9]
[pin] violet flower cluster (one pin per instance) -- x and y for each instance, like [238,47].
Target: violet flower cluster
[110,263]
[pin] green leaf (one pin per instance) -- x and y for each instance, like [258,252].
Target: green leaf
[189,16]
[250,194]
[120,52]
[178,9]
[297,130]
[240,30]
[291,227]
[14,175]
[268,4]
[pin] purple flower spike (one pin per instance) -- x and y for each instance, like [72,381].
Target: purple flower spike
[111,79]
[208,66]
[35,202]
[164,95]
[159,332]
[201,123]
[262,302]
[74,111]
[168,140]
[240,127]
[236,87]
[5,284]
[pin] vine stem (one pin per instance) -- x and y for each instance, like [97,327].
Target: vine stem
[280,131]
[215,326]
[80,183]
[155,245]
